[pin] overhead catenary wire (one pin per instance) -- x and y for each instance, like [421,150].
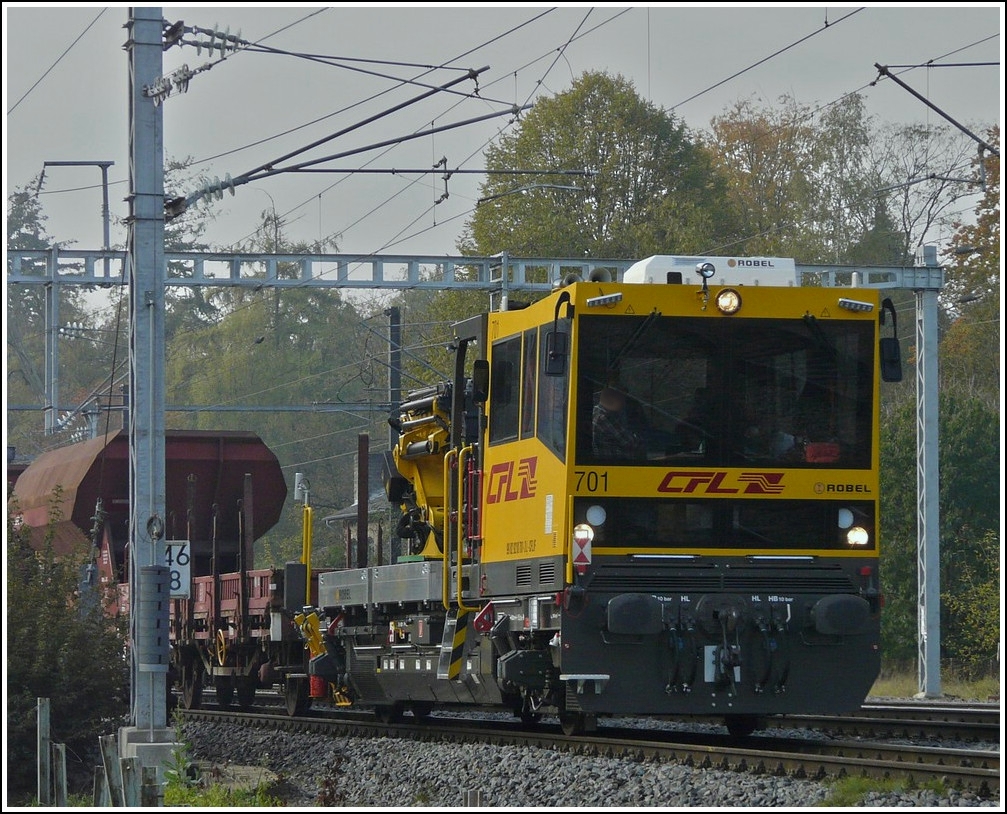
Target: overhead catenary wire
[817,31]
[407,228]
[481,147]
[368,99]
[58,59]
[474,152]
[266,173]
[461,56]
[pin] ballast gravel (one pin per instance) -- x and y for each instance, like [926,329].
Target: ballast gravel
[314,770]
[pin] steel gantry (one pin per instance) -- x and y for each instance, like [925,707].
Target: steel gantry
[500,276]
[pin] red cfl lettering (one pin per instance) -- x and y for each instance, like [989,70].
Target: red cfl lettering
[693,480]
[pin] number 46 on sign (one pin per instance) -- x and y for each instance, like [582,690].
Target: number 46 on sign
[177,559]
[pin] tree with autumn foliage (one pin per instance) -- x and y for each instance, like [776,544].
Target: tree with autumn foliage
[970,349]
[798,177]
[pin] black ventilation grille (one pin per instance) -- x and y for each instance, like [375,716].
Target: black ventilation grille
[742,579]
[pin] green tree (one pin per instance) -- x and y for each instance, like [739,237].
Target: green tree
[843,206]
[25,326]
[652,190]
[897,535]
[25,304]
[93,354]
[969,510]
[285,347]
[186,307]
[972,600]
[879,244]
[60,646]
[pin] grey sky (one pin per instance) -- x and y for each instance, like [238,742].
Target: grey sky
[70,105]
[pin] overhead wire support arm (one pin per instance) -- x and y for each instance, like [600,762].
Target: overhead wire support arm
[883,71]
[177,206]
[367,121]
[515,110]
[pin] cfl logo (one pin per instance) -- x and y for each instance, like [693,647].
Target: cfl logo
[713,483]
[505,484]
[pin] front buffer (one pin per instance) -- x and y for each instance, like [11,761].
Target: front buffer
[779,647]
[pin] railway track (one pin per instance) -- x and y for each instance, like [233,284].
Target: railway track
[813,758]
[911,721]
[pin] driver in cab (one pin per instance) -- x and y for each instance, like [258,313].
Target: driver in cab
[612,434]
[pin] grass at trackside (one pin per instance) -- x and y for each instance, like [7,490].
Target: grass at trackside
[851,791]
[218,796]
[905,685]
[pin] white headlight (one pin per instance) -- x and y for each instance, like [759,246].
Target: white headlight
[857,536]
[728,301]
[845,518]
[583,532]
[596,515]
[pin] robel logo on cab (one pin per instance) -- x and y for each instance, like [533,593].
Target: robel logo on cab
[689,482]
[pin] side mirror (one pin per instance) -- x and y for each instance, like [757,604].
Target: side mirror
[891,355]
[557,346]
[480,380]
[891,359]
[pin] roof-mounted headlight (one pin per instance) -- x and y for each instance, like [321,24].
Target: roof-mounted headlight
[728,301]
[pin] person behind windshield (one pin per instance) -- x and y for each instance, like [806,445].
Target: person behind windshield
[612,434]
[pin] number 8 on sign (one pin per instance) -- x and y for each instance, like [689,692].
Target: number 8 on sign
[176,557]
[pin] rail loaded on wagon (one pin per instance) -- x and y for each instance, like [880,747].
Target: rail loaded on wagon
[717,556]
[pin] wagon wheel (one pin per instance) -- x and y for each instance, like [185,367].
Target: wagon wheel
[421,709]
[389,713]
[246,691]
[573,723]
[220,648]
[741,726]
[192,687]
[225,690]
[528,710]
[529,718]
[295,694]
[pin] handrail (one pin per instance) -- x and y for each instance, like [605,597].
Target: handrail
[451,454]
[463,456]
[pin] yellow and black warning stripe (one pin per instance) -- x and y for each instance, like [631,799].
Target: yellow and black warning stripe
[449,664]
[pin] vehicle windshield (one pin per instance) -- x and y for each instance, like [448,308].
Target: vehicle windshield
[722,392]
